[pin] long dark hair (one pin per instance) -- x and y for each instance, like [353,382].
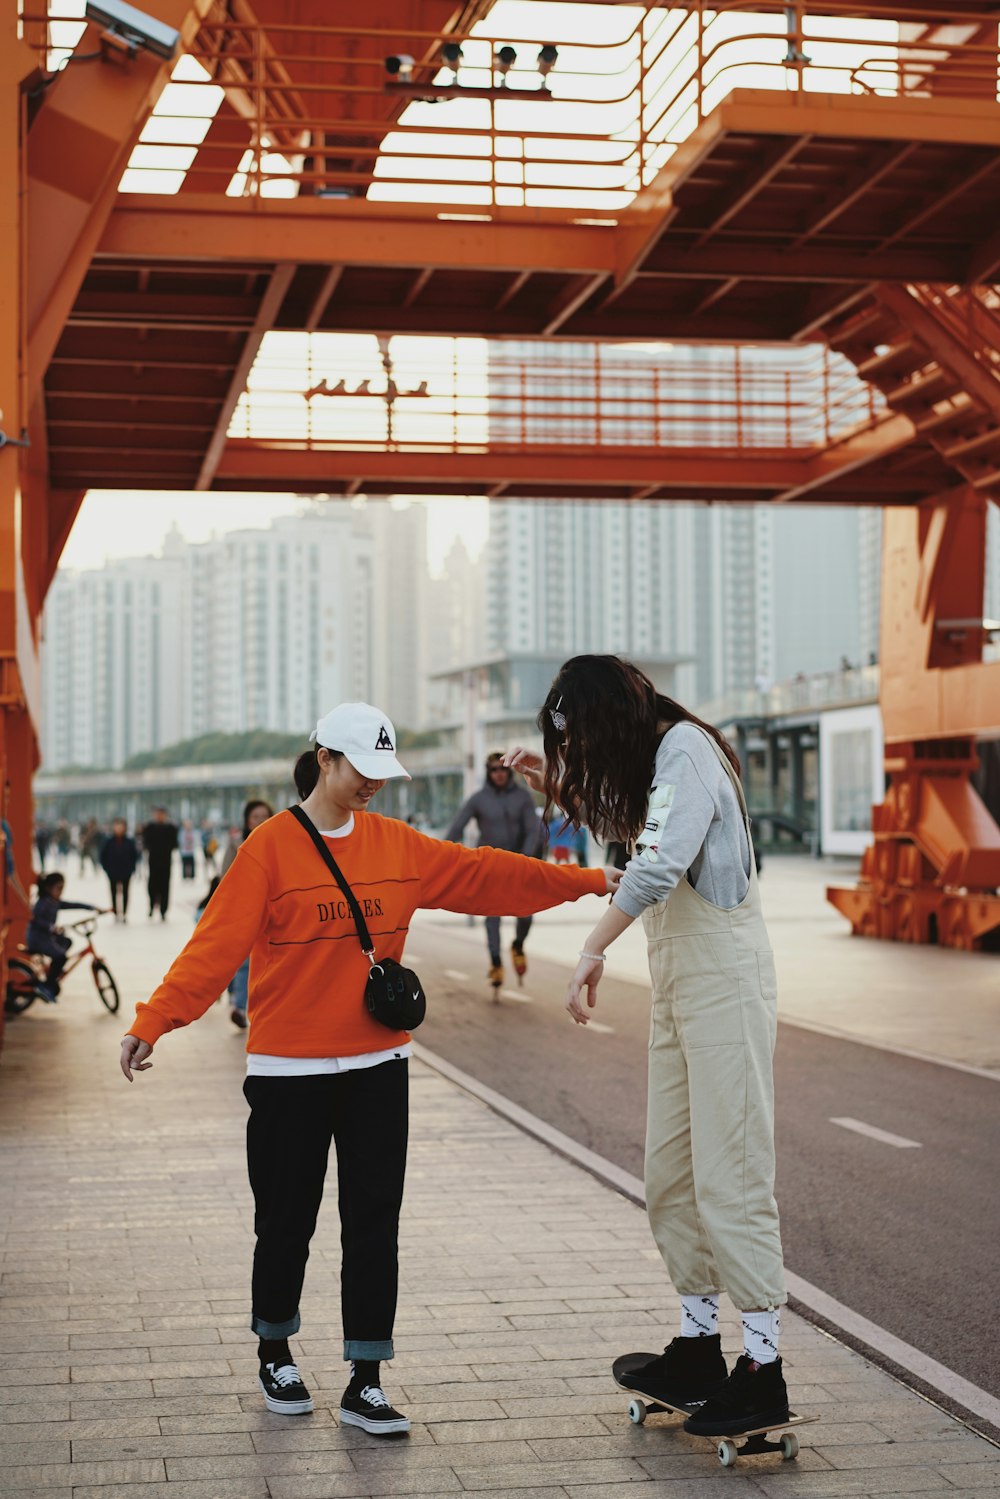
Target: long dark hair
[599,768]
[305,771]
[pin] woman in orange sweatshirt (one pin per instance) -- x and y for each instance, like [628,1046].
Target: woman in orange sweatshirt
[320,1068]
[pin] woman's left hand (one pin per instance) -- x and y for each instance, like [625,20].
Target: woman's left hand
[589,972]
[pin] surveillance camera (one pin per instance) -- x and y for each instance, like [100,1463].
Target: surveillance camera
[400,67]
[547,59]
[452,54]
[505,59]
[135,27]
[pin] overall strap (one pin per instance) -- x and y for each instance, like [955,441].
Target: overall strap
[367,946]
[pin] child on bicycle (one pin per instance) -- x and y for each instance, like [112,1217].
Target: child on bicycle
[47,938]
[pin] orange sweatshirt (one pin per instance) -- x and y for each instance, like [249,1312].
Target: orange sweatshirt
[279,902]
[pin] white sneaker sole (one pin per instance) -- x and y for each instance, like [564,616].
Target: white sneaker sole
[377,1428]
[285,1407]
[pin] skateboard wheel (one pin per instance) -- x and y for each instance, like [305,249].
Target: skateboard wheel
[789,1446]
[636,1412]
[728,1452]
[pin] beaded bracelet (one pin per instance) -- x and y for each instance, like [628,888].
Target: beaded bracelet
[595,957]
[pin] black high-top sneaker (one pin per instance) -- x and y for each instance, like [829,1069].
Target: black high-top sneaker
[283,1390]
[688,1371]
[368,1408]
[753,1396]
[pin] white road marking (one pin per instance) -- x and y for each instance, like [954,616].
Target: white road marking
[457,974]
[412,957]
[884,1135]
[911,1359]
[522,998]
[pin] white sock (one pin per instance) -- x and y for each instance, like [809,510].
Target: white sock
[699,1316]
[760,1335]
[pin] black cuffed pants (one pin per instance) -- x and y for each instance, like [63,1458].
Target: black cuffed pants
[365,1113]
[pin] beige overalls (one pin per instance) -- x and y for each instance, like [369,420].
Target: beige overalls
[710,1124]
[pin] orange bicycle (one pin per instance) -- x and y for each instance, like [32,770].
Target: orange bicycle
[26,973]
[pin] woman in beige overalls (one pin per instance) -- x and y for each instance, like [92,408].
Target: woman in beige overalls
[649,772]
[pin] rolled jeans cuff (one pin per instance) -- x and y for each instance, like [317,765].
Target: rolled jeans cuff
[358,1348]
[265,1329]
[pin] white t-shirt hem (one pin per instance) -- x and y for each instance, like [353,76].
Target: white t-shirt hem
[260,1064]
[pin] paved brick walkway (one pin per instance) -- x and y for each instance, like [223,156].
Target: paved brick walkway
[126,1238]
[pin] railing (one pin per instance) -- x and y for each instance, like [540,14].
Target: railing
[462,395]
[317,113]
[845,687]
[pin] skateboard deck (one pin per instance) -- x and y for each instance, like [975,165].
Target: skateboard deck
[729,1448]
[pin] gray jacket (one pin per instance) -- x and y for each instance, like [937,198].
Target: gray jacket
[506,819]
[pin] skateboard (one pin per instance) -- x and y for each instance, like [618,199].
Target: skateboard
[729,1448]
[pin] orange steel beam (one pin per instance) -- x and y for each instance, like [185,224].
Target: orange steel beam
[851,454]
[78,146]
[272,463]
[325,231]
[735,474]
[934,681]
[933,871]
[193,229]
[952,351]
[264,321]
[18,745]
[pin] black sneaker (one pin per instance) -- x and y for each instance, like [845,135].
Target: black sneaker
[283,1390]
[688,1371]
[753,1396]
[369,1409]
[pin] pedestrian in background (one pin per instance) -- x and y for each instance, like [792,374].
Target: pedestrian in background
[159,839]
[91,843]
[505,814]
[651,773]
[43,838]
[321,1068]
[187,843]
[254,813]
[119,857]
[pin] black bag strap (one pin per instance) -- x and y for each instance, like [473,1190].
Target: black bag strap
[367,945]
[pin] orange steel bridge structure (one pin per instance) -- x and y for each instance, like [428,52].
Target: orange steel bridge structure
[811,195]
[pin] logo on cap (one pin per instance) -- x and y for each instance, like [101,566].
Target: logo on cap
[384,742]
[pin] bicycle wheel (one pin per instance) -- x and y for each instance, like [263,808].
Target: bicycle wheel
[21,985]
[106,986]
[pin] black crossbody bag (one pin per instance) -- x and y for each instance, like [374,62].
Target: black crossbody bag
[394,996]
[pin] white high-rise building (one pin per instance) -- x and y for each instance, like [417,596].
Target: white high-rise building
[279,623]
[112,662]
[261,629]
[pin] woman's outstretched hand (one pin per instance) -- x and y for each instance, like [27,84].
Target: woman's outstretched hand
[527,764]
[134,1054]
[589,972]
[612,878]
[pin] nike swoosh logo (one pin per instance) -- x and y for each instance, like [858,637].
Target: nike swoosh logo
[416,994]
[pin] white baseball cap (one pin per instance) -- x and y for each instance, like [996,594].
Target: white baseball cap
[365,735]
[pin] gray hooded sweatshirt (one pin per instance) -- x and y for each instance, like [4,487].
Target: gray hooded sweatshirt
[694,829]
[506,818]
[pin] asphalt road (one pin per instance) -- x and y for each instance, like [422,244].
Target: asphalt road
[904,1235]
